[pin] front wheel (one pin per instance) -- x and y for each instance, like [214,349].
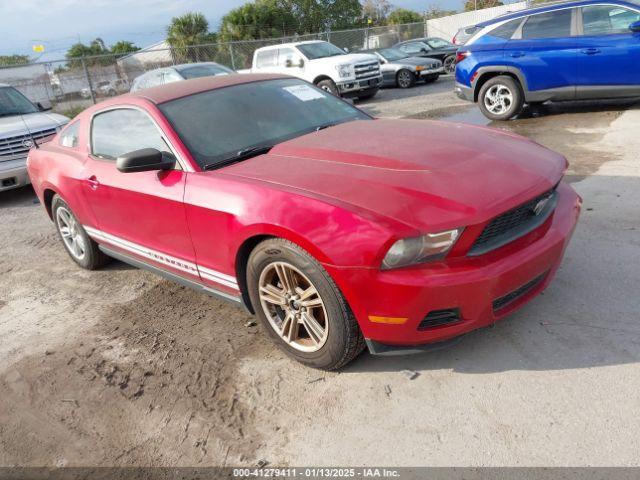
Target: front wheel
[328,86]
[301,307]
[501,98]
[405,79]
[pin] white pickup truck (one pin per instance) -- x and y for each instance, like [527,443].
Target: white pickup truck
[324,65]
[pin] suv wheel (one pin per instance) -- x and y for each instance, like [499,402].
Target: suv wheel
[501,98]
[328,86]
[301,307]
[405,78]
[79,246]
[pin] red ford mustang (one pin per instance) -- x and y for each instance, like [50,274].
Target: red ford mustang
[335,229]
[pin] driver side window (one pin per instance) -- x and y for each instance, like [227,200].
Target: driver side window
[120,131]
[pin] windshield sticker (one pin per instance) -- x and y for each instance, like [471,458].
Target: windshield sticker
[303,92]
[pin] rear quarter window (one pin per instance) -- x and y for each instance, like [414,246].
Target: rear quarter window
[70,136]
[506,30]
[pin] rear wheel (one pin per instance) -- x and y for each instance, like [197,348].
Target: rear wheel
[301,307]
[79,246]
[501,98]
[405,78]
[449,64]
[328,86]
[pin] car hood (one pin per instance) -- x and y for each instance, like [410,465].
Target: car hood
[427,175]
[34,122]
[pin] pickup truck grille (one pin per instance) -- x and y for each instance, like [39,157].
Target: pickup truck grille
[18,146]
[367,70]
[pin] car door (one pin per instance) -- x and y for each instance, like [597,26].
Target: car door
[290,61]
[142,214]
[609,51]
[545,50]
[417,49]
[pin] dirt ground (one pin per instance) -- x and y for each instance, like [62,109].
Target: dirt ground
[119,367]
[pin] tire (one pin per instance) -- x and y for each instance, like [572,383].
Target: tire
[501,98]
[431,78]
[328,86]
[86,253]
[334,339]
[449,64]
[405,78]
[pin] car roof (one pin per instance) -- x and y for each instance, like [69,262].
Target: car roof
[172,91]
[182,66]
[552,6]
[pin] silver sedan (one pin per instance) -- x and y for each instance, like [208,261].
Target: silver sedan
[401,70]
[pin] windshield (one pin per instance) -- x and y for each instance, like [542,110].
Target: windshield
[12,102]
[392,54]
[203,71]
[319,50]
[439,43]
[217,125]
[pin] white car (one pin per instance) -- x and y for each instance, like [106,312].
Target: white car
[177,73]
[21,123]
[324,65]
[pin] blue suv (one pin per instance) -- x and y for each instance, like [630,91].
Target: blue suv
[563,51]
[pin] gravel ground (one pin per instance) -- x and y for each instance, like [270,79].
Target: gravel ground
[118,367]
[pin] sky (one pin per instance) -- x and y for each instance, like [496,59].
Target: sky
[57,24]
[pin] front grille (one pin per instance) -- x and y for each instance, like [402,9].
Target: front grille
[437,318]
[15,146]
[367,70]
[500,303]
[514,224]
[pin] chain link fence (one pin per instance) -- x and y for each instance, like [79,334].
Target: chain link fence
[70,85]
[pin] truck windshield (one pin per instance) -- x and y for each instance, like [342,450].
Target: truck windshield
[12,102]
[319,50]
[232,123]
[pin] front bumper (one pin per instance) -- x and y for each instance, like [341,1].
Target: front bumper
[470,284]
[13,174]
[353,87]
[463,92]
[432,71]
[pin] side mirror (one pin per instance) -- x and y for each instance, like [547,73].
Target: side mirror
[44,106]
[289,63]
[635,27]
[346,50]
[423,50]
[145,160]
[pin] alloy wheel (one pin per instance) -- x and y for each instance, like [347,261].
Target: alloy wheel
[498,99]
[70,233]
[404,79]
[293,306]
[449,64]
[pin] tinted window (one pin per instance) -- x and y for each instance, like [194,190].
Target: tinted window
[414,47]
[439,43]
[607,19]
[12,102]
[266,58]
[548,25]
[506,30]
[117,132]
[70,135]
[319,50]
[217,124]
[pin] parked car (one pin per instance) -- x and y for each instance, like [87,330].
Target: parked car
[324,65]
[464,34]
[336,230]
[566,51]
[21,123]
[177,73]
[431,47]
[400,70]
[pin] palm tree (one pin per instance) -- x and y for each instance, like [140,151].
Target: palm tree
[185,31]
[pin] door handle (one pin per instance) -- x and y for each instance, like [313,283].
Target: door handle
[590,51]
[516,54]
[93,182]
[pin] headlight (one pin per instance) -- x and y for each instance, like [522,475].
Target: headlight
[345,71]
[431,246]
